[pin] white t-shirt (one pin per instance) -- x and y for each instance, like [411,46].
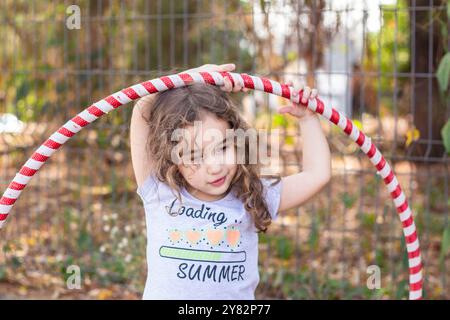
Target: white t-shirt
[201,249]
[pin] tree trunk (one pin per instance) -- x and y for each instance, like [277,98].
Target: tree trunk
[429,109]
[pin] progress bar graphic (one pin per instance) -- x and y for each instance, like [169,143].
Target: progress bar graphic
[202,255]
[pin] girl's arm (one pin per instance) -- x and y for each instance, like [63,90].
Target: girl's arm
[140,158]
[298,188]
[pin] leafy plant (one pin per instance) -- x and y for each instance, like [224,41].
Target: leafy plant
[443,72]
[284,247]
[314,234]
[368,219]
[445,246]
[348,199]
[445,133]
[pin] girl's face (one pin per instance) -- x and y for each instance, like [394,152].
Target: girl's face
[210,156]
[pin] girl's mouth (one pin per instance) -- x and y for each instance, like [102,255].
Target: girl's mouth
[218,182]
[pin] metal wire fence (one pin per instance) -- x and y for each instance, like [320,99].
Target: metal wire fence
[374,61]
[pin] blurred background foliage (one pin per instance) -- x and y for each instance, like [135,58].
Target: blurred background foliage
[396,67]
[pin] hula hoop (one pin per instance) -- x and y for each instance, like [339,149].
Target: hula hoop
[114,101]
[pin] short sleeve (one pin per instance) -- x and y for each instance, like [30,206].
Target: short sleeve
[148,188]
[272,195]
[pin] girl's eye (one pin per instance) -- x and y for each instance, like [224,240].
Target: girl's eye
[222,149]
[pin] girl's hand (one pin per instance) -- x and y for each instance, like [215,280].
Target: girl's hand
[296,109]
[228,86]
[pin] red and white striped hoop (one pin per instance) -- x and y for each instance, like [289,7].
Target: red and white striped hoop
[114,101]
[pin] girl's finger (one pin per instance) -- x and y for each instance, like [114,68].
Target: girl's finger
[290,83]
[238,87]
[285,110]
[224,86]
[227,86]
[306,94]
[298,88]
[227,67]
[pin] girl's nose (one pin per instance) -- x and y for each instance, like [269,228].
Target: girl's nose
[213,165]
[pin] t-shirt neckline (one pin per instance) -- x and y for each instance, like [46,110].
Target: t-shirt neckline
[187,194]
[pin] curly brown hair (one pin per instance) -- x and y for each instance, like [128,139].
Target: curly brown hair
[180,107]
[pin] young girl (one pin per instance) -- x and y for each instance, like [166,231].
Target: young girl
[203,215]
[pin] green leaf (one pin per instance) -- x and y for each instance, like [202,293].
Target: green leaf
[380,258]
[443,72]
[348,199]
[6,248]
[84,240]
[445,133]
[445,246]
[314,234]
[2,273]
[402,290]
[448,9]
[368,219]
[284,247]
[444,31]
